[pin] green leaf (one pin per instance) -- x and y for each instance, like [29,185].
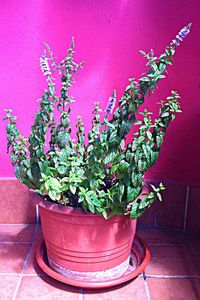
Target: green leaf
[52,195]
[129,156]
[118,157]
[162,67]
[159,196]
[35,171]
[136,180]
[121,191]
[44,168]
[122,144]
[155,189]
[62,139]
[125,128]
[135,211]
[18,173]
[138,123]
[97,202]
[72,189]
[91,207]
[104,213]
[113,136]
[145,79]
[110,157]
[62,170]
[141,165]
[164,115]
[159,140]
[154,156]
[144,203]
[149,135]
[132,193]
[90,148]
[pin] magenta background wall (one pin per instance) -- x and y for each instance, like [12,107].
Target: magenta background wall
[108,35]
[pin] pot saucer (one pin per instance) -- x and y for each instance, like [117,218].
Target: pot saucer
[140,257]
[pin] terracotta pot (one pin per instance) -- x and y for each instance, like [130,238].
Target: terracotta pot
[79,242]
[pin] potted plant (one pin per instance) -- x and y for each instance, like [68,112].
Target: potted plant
[91,188]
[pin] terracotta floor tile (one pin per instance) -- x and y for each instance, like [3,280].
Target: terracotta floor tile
[16,233]
[12,257]
[8,285]
[135,290]
[193,238]
[45,288]
[196,249]
[32,266]
[174,289]
[172,260]
[155,235]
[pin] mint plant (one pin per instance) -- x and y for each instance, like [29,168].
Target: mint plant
[105,174]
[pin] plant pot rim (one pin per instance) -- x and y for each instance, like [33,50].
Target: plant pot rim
[67,210]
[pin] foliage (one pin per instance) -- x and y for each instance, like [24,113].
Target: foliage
[104,175]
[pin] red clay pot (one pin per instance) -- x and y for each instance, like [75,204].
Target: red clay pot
[85,242]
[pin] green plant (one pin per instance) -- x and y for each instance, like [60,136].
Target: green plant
[104,175]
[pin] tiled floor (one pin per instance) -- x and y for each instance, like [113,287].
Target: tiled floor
[173,273]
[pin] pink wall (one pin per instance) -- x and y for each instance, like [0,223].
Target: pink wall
[108,35]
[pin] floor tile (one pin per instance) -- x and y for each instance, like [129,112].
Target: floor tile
[31,265]
[12,257]
[177,260]
[129,291]
[174,289]
[155,235]
[45,288]
[196,249]
[16,233]
[193,238]
[8,285]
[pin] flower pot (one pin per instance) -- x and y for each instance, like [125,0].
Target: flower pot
[82,244]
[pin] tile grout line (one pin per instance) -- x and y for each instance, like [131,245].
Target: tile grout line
[81,294]
[17,287]
[166,244]
[30,248]
[28,274]
[146,286]
[17,224]
[194,254]
[25,263]
[15,243]
[186,207]
[173,229]
[172,276]
[9,274]
[146,276]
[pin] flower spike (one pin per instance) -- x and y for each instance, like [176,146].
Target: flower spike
[44,65]
[111,103]
[181,35]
